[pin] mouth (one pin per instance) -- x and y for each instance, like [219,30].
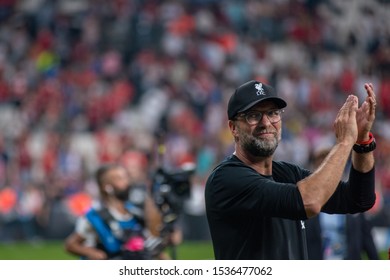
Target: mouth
[264,134]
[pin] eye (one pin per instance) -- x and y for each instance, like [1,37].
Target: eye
[273,113]
[254,115]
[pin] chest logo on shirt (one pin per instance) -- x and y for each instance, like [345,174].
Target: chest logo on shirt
[303,224]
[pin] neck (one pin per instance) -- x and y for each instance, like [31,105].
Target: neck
[117,204]
[263,165]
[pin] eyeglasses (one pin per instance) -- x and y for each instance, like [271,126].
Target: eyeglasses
[254,117]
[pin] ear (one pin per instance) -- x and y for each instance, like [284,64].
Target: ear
[233,127]
[109,189]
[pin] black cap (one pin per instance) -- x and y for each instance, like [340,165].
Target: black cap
[249,94]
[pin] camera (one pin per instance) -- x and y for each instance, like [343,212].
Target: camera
[170,189]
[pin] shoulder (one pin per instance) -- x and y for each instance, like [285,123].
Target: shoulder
[286,167]
[83,226]
[230,162]
[288,172]
[232,176]
[229,170]
[86,231]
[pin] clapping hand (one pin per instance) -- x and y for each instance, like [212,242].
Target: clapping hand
[365,115]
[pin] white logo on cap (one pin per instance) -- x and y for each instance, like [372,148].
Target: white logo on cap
[259,88]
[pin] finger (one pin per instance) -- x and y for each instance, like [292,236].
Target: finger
[354,106]
[372,105]
[349,107]
[343,108]
[369,89]
[365,108]
[371,94]
[371,98]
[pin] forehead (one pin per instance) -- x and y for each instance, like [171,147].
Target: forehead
[116,172]
[263,106]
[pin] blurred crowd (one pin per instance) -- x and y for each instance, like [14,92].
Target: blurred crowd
[84,81]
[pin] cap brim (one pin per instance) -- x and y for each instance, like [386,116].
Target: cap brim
[279,102]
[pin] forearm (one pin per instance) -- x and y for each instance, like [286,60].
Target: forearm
[363,162]
[361,190]
[153,216]
[74,245]
[87,252]
[319,186]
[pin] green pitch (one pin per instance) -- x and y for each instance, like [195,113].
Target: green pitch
[54,250]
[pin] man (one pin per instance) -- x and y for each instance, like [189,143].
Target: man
[114,229]
[255,206]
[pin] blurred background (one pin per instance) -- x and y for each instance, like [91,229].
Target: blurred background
[84,81]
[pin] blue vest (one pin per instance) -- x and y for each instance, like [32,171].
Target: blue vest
[101,221]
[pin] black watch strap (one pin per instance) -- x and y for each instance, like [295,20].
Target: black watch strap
[362,149]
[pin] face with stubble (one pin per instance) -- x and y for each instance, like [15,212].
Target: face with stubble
[117,183]
[262,138]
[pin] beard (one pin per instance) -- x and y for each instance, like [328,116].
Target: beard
[122,195]
[259,147]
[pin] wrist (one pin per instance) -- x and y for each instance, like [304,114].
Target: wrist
[369,137]
[366,146]
[344,146]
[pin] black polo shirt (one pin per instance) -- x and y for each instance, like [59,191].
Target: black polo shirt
[252,216]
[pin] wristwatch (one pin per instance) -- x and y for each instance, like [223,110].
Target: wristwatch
[365,148]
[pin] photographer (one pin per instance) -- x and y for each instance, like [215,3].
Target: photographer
[115,228]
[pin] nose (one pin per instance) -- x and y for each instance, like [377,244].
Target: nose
[264,119]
